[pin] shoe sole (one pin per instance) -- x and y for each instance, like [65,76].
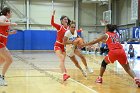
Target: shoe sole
[99,82]
[66,78]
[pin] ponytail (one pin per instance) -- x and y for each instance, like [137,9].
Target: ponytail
[69,21]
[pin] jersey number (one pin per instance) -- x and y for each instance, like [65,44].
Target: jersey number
[114,39]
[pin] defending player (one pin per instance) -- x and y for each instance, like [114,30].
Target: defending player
[116,52]
[59,46]
[5,56]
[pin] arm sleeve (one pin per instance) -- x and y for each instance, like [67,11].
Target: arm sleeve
[57,26]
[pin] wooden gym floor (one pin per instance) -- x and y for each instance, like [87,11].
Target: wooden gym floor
[38,72]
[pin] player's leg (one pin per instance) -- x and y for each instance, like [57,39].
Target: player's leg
[124,63]
[110,58]
[79,54]
[6,55]
[102,70]
[82,57]
[75,61]
[131,73]
[128,70]
[2,60]
[61,55]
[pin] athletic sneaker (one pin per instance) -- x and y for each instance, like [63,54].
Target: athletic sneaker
[84,73]
[99,80]
[65,77]
[2,81]
[137,81]
[89,70]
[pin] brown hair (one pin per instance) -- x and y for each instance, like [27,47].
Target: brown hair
[111,28]
[63,16]
[5,10]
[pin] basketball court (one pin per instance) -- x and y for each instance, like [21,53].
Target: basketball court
[34,72]
[35,67]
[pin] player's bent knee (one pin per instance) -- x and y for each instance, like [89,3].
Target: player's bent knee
[71,55]
[82,57]
[103,64]
[76,64]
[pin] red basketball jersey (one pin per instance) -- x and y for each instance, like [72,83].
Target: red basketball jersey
[60,33]
[4,29]
[3,35]
[60,30]
[113,41]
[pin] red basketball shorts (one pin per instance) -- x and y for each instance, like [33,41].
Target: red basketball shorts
[58,46]
[3,42]
[116,54]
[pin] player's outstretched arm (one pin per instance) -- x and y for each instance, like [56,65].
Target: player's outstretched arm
[104,37]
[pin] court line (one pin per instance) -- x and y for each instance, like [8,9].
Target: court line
[83,85]
[114,72]
[25,61]
[78,83]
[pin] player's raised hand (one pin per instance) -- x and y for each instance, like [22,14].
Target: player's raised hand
[53,12]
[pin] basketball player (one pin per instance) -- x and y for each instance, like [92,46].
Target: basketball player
[71,40]
[59,46]
[5,56]
[116,52]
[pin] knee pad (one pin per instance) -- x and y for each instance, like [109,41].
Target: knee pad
[103,64]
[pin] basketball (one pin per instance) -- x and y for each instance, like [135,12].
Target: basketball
[70,46]
[79,41]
